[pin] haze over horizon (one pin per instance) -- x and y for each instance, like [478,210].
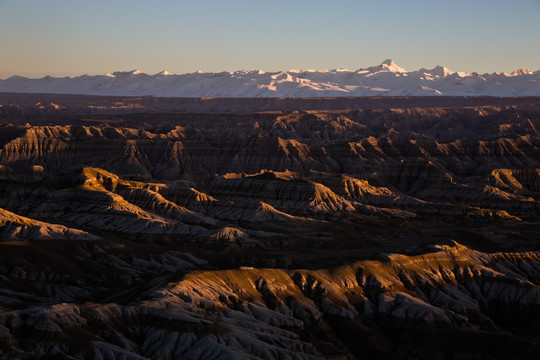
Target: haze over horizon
[66,38]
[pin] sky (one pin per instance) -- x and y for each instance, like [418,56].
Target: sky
[75,37]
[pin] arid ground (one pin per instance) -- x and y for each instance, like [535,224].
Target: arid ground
[351,228]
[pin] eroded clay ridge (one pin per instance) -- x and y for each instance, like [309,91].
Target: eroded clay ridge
[369,308]
[200,175]
[177,236]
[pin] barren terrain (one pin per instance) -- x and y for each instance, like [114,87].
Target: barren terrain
[403,228]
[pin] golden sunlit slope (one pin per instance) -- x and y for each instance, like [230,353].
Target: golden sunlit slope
[15,227]
[351,311]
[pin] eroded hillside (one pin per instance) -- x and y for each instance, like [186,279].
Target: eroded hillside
[271,235]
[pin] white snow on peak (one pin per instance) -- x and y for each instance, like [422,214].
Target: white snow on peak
[386,79]
[441,71]
[124,73]
[392,66]
[522,71]
[387,65]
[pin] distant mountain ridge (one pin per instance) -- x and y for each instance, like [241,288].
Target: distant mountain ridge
[386,79]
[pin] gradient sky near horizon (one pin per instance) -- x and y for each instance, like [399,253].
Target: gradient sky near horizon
[75,37]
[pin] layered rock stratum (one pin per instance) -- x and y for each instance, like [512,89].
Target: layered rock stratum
[408,232]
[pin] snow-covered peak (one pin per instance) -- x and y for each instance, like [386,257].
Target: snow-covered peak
[522,71]
[248,72]
[386,79]
[126,73]
[387,65]
[392,66]
[441,71]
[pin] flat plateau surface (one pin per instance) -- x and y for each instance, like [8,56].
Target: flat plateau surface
[62,104]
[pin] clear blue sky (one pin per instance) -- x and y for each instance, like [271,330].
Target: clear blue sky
[74,37]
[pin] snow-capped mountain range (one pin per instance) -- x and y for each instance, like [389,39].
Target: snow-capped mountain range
[386,79]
